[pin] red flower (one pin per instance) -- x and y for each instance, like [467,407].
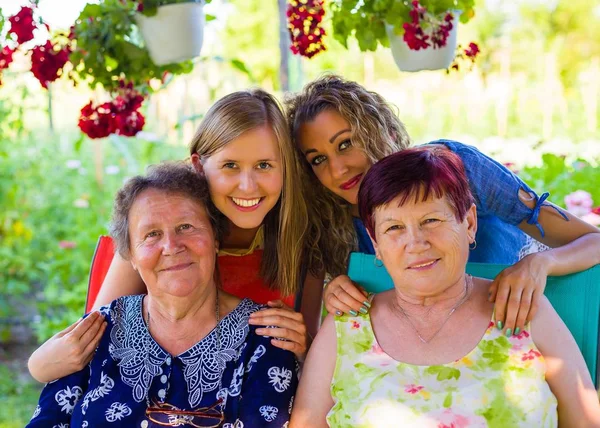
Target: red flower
[6,57]
[129,123]
[22,25]
[119,116]
[472,51]
[47,63]
[304,25]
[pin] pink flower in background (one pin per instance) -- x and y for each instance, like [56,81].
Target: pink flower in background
[67,244]
[579,203]
[412,388]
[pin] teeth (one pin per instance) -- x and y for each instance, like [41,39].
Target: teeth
[425,264]
[246,202]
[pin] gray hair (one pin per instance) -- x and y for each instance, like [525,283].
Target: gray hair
[171,177]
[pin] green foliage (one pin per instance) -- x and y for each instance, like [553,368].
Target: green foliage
[561,176]
[366,20]
[18,399]
[50,205]
[151,6]
[109,47]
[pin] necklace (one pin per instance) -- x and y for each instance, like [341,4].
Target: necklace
[218,334]
[464,298]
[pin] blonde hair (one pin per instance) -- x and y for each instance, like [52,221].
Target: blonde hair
[285,225]
[375,129]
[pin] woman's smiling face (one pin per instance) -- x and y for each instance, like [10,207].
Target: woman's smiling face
[326,143]
[246,177]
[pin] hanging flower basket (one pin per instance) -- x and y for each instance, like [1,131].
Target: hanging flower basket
[427,58]
[175,33]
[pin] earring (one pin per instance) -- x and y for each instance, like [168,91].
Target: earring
[375,260]
[474,243]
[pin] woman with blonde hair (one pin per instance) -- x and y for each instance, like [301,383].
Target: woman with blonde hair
[340,129]
[243,148]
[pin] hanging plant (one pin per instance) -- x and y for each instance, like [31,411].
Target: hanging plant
[421,33]
[305,27]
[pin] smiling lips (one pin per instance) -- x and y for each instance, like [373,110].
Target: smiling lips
[351,183]
[424,264]
[246,204]
[178,267]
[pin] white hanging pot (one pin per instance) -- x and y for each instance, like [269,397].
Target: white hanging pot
[175,33]
[424,59]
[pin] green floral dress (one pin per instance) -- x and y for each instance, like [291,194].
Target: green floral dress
[499,384]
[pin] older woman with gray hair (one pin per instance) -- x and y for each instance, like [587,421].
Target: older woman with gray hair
[184,354]
[429,353]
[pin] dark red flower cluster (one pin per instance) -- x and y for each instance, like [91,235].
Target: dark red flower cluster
[119,116]
[440,35]
[305,26]
[467,55]
[22,25]
[47,62]
[414,35]
[472,50]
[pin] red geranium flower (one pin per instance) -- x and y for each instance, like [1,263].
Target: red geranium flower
[47,63]
[6,57]
[305,28]
[22,25]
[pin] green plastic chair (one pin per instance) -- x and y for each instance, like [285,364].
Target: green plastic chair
[575,297]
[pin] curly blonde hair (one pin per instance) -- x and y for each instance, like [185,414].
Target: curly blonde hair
[375,129]
[286,223]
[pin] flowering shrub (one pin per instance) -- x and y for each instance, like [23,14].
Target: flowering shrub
[305,27]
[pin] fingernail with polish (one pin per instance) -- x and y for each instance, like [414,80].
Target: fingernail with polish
[353,312]
[338,313]
[363,310]
[517,331]
[499,325]
[508,332]
[367,304]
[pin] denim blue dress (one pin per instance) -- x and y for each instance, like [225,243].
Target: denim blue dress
[499,209]
[232,370]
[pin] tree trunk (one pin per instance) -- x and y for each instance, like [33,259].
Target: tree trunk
[284,48]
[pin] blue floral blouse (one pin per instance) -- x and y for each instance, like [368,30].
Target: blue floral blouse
[255,380]
[499,209]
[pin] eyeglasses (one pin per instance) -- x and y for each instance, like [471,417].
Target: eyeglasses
[165,414]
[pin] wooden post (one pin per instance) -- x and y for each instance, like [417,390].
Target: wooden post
[284,47]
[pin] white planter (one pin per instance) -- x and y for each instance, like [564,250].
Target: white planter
[175,33]
[424,59]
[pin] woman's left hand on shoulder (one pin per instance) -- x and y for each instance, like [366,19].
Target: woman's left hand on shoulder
[289,330]
[517,291]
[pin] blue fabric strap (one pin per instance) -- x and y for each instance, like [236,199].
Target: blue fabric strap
[536,212]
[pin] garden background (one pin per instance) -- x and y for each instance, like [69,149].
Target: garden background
[530,100]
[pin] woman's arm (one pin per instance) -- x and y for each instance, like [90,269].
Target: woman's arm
[71,349]
[313,398]
[121,280]
[576,247]
[566,371]
[67,351]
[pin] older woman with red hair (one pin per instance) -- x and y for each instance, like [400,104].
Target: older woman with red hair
[427,354]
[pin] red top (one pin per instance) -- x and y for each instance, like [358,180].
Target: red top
[239,275]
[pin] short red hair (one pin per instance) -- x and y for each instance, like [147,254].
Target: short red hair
[415,172]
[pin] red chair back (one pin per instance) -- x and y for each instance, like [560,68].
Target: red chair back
[105,251]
